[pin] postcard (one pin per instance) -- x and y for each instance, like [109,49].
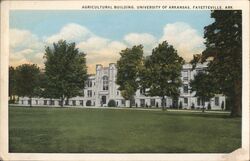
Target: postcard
[124,80]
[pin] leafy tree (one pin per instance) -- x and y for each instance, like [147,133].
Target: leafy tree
[65,71]
[12,84]
[203,86]
[161,73]
[224,49]
[27,81]
[128,67]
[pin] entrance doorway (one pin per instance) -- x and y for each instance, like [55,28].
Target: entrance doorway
[104,100]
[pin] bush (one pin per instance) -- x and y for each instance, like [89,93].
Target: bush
[180,105]
[111,103]
[88,103]
[192,107]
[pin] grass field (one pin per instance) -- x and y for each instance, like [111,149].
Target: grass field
[72,130]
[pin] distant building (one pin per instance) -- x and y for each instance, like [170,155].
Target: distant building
[101,88]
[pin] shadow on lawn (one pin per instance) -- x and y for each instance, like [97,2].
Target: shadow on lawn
[195,114]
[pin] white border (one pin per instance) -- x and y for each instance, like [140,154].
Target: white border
[238,155]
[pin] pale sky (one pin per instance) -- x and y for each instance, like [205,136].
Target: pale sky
[103,34]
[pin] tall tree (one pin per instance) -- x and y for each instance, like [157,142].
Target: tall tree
[65,71]
[203,87]
[12,84]
[128,67]
[161,73]
[27,81]
[224,49]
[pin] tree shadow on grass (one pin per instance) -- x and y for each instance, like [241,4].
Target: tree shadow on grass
[195,114]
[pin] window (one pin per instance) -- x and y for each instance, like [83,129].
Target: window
[185,75]
[152,102]
[105,83]
[89,93]
[52,102]
[142,91]
[22,102]
[142,102]
[199,71]
[89,83]
[217,101]
[186,100]
[74,102]
[29,102]
[36,102]
[81,102]
[123,102]
[117,93]
[185,88]
[45,102]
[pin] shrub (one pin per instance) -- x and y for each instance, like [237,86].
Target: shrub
[192,107]
[111,103]
[88,103]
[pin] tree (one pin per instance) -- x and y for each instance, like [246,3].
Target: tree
[12,84]
[27,81]
[65,71]
[161,73]
[223,40]
[128,67]
[203,86]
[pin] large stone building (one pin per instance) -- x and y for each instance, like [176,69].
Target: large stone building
[101,88]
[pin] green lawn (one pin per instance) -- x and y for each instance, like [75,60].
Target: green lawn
[107,130]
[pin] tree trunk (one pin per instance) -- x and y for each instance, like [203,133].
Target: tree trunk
[30,101]
[236,110]
[62,100]
[203,105]
[163,103]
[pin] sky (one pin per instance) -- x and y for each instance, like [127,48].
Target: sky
[103,34]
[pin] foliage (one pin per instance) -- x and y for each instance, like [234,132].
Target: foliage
[161,73]
[12,84]
[65,71]
[27,80]
[192,107]
[111,103]
[224,49]
[203,86]
[128,67]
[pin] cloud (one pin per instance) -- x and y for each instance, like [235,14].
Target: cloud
[25,47]
[70,32]
[184,38]
[147,40]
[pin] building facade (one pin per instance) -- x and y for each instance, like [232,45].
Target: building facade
[101,88]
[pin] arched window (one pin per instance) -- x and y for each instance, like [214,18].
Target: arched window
[105,83]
